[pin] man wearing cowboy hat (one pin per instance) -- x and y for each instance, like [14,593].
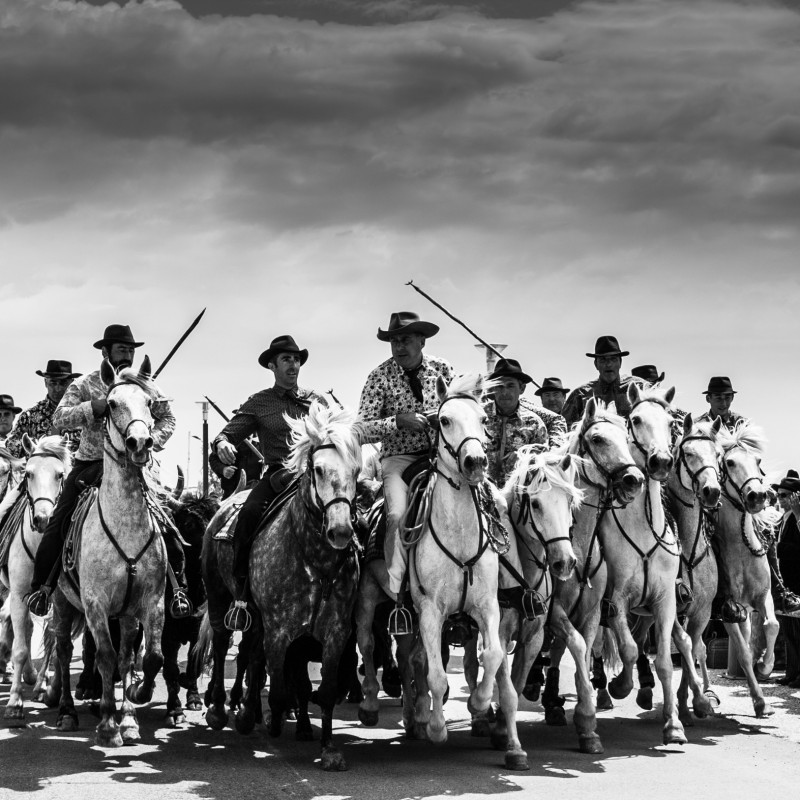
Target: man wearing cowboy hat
[37,421]
[610,386]
[7,413]
[552,394]
[394,400]
[262,414]
[719,396]
[509,423]
[648,373]
[83,407]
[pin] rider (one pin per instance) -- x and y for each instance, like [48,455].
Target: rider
[247,462]
[787,569]
[37,421]
[394,400]
[609,386]
[263,413]
[83,407]
[553,394]
[7,413]
[648,373]
[719,396]
[509,423]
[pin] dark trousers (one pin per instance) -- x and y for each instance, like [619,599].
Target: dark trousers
[251,513]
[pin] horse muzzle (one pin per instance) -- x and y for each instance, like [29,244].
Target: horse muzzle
[473,467]
[755,500]
[562,564]
[659,465]
[629,485]
[339,535]
[709,495]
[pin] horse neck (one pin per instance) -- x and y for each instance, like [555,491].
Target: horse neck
[120,493]
[731,522]
[687,516]
[453,515]
[305,528]
[528,545]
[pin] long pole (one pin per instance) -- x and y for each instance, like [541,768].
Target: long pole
[205,448]
[463,325]
[178,344]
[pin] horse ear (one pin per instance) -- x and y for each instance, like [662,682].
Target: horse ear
[441,388]
[590,410]
[669,395]
[107,372]
[633,393]
[612,407]
[565,462]
[145,370]
[688,422]
[27,443]
[716,425]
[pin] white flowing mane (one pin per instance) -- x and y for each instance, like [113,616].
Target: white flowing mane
[746,435]
[604,413]
[323,425]
[472,383]
[130,375]
[547,474]
[655,394]
[54,446]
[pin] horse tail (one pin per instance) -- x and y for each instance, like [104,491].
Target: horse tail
[202,653]
[611,657]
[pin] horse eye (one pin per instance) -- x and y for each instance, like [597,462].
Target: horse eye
[597,439]
[112,404]
[444,421]
[636,420]
[730,462]
[318,470]
[535,504]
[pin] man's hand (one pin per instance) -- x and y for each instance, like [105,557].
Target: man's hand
[228,472]
[226,452]
[99,406]
[794,503]
[411,422]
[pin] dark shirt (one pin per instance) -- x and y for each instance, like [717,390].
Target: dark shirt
[730,423]
[246,460]
[789,552]
[262,414]
[616,392]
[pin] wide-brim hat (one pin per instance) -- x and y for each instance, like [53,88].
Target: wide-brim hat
[282,344]
[7,404]
[607,346]
[790,482]
[116,334]
[551,385]
[58,369]
[648,372]
[509,368]
[402,322]
[719,385]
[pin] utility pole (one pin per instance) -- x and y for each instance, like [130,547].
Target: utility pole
[491,357]
[204,406]
[189,458]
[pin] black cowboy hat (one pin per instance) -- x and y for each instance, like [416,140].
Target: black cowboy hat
[648,372]
[116,334]
[509,368]
[7,404]
[407,322]
[719,385]
[58,369]
[791,482]
[282,344]
[551,385]
[607,346]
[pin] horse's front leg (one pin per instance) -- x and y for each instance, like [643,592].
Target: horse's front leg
[332,648]
[430,630]
[664,613]
[217,714]
[739,634]
[63,616]
[20,653]
[153,661]
[107,733]
[169,648]
[188,679]
[480,724]
[128,629]
[621,686]
[488,619]
[766,663]
[552,701]
[700,703]
[369,708]
[250,647]
[405,645]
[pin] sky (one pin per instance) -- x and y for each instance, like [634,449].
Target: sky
[548,171]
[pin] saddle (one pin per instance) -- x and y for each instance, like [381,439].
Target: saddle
[10,527]
[72,543]
[225,533]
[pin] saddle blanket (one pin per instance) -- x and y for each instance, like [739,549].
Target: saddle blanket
[232,506]
[10,527]
[377,533]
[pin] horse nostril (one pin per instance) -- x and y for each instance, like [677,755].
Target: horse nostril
[130,443]
[630,480]
[148,442]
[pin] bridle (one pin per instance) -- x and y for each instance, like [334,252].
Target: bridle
[682,463]
[632,433]
[726,479]
[122,457]
[455,452]
[30,498]
[321,506]
[610,476]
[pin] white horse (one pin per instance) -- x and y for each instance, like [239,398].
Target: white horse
[743,530]
[454,566]
[49,460]
[10,469]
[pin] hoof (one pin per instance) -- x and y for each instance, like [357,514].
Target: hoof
[532,691]
[15,716]
[673,734]
[618,690]
[762,709]
[30,678]
[67,723]
[216,720]
[517,759]
[304,734]
[556,717]
[702,707]
[108,738]
[500,742]
[481,728]
[137,693]
[713,699]
[193,702]
[130,733]
[591,744]
[333,761]
[644,699]
[245,720]
[368,718]
[604,701]
[436,735]
[175,718]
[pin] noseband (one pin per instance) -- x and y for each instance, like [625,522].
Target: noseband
[455,453]
[683,463]
[632,432]
[609,475]
[109,418]
[738,502]
[32,500]
[322,506]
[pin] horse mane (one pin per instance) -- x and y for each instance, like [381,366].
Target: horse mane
[603,413]
[323,425]
[547,474]
[130,375]
[54,446]
[470,383]
[746,435]
[655,394]
[13,461]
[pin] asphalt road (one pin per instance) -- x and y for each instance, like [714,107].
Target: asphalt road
[730,756]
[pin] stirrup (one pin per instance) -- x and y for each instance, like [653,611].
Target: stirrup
[39,601]
[607,611]
[683,593]
[181,606]
[733,612]
[238,617]
[533,605]
[400,621]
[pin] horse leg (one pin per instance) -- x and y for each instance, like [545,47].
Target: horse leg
[430,629]
[153,660]
[405,644]
[552,701]
[369,708]
[83,689]
[250,712]
[332,647]
[765,665]
[275,653]
[188,679]
[621,686]
[740,635]
[128,726]
[422,700]
[700,703]
[20,653]
[480,725]
[673,732]
[107,732]
[217,714]
[63,615]
[170,647]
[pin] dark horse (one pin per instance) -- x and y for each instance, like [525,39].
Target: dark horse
[303,581]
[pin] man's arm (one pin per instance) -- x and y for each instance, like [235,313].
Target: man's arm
[14,441]
[372,425]
[164,423]
[74,412]
[573,407]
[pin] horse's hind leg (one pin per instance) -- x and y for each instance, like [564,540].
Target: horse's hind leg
[170,647]
[644,697]
[217,714]
[369,708]
[480,725]
[128,727]
[64,613]
[765,665]
[250,711]
[405,643]
[700,702]
[188,679]
[551,699]
[153,660]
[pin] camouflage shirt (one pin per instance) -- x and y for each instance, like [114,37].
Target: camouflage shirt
[556,424]
[616,393]
[37,422]
[506,434]
[733,421]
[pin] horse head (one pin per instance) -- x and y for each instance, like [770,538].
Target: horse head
[460,421]
[650,429]
[129,416]
[740,466]
[541,496]
[600,437]
[697,454]
[326,448]
[49,460]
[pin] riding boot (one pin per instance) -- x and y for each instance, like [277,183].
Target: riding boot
[238,617]
[180,606]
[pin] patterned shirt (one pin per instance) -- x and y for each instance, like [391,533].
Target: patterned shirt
[262,414]
[556,424]
[507,434]
[387,393]
[733,421]
[616,392]
[37,421]
[75,412]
